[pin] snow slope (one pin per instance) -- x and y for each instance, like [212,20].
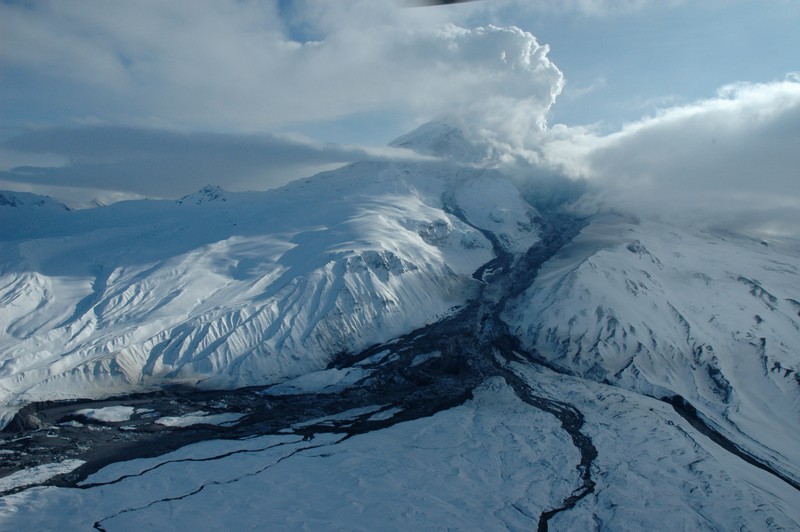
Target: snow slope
[227,289]
[664,310]
[492,463]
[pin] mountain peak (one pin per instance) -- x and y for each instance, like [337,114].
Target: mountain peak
[207,194]
[441,138]
[31,201]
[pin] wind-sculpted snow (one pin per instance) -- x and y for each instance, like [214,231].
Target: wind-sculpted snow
[227,289]
[664,311]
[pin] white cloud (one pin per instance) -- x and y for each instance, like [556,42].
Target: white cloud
[731,161]
[611,7]
[126,72]
[230,65]
[588,8]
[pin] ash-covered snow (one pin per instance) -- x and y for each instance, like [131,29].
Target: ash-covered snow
[492,463]
[326,381]
[655,472]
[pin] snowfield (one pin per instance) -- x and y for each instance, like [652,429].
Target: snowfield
[491,464]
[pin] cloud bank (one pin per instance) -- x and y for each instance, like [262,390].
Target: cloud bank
[141,79]
[585,8]
[731,161]
[247,66]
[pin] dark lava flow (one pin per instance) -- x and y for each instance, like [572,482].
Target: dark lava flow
[473,344]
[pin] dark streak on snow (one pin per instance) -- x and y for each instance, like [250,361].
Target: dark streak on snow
[571,421]
[495,337]
[690,414]
[98,526]
[184,460]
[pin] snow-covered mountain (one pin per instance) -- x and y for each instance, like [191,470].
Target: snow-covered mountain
[664,311]
[435,352]
[224,289]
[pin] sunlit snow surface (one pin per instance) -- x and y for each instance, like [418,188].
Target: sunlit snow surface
[111,414]
[199,417]
[38,474]
[223,290]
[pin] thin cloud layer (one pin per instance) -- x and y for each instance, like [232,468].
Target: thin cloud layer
[603,7]
[161,163]
[729,162]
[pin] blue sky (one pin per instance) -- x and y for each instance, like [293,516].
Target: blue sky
[324,82]
[662,56]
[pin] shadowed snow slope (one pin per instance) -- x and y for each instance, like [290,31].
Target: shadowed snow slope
[231,289]
[660,310]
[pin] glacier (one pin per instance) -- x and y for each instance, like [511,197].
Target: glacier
[428,343]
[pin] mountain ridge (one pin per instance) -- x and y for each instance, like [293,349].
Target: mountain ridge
[213,288]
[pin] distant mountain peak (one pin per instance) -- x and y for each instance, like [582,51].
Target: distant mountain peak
[31,201]
[207,194]
[8,200]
